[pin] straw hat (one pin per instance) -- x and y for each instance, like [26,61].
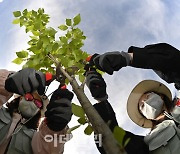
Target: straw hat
[136,93]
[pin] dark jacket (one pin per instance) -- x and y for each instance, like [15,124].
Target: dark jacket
[164,60]
[136,144]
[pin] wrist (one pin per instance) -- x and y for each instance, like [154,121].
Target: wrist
[128,57]
[102,99]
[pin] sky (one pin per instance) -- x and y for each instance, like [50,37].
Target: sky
[109,26]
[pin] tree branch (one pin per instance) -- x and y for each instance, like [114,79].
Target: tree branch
[100,127]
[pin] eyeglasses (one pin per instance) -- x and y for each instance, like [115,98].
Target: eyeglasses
[30,97]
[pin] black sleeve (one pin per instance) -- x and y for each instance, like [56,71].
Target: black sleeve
[136,144]
[161,57]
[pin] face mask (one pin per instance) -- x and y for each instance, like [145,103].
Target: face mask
[152,107]
[27,108]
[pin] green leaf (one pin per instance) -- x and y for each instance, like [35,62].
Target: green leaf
[36,33]
[45,40]
[61,51]
[22,54]
[37,25]
[82,120]
[81,77]
[48,48]
[25,12]
[68,34]
[55,46]
[77,20]
[17,14]
[51,31]
[68,22]
[63,27]
[18,61]
[40,10]
[34,13]
[39,44]
[63,60]
[29,28]
[88,130]
[78,110]
[119,134]
[70,63]
[16,21]
[63,39]
[127,141]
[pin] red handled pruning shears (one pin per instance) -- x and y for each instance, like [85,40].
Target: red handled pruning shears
[90,63]
[59,77]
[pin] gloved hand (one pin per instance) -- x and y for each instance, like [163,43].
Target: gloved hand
[25,81]
[59,111]
[96,85]
[112,61]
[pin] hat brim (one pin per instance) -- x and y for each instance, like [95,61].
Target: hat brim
[133,99]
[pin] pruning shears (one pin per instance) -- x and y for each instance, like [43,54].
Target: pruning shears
[58,76]
[90,66]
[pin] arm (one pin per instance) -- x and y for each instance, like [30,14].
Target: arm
[26,80]
[48,141]
[52,134]
[136,145]
[97,87]
[4,94]
[59,109]
[162,57]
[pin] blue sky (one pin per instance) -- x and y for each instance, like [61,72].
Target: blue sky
[109,26]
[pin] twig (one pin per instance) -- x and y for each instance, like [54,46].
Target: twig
[61,69]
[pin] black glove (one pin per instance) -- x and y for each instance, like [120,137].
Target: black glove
[96,85]
[112,61]
[59,111]
[25,81]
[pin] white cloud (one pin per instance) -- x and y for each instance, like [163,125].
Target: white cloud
[1,1]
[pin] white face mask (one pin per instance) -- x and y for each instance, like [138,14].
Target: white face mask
[152,107]
[27,108]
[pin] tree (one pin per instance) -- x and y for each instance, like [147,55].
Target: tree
[46,53]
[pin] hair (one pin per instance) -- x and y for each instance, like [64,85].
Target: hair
[33,123]
[168,103]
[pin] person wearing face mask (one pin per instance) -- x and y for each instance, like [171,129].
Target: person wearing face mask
[150,104]
[20,127]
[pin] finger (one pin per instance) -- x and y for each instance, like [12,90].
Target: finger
[25,85]
[17,85]
[33,82]
[106,65]
[41,79]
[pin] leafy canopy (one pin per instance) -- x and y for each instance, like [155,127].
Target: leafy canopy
[66,49]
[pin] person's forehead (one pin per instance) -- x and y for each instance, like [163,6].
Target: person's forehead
[145,95]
